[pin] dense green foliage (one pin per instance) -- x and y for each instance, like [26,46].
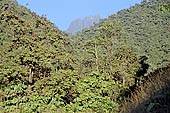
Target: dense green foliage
[147,30]
[30,46]
[31,49]
[107,53]
[42,69]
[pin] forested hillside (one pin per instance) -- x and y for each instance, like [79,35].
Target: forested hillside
[145,29]
[31,50]
[43,69]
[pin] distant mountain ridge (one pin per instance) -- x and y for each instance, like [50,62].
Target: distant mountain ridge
[79,24]
[15,1]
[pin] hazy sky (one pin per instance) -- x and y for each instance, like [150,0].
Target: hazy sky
[62,12]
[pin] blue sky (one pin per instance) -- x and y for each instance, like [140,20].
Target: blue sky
[62,12]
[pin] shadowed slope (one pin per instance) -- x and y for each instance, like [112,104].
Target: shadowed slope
[153,96]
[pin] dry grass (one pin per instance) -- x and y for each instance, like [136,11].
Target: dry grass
[151,97]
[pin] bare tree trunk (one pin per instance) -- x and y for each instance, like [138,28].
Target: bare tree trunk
[30,76]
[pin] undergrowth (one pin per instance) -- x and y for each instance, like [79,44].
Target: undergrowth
[153,96]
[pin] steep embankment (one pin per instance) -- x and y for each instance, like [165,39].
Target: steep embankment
[153,96]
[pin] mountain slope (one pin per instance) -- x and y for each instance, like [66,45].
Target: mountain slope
[79,24]
[31,49]
[42,69]
[147,30]
[39,73]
